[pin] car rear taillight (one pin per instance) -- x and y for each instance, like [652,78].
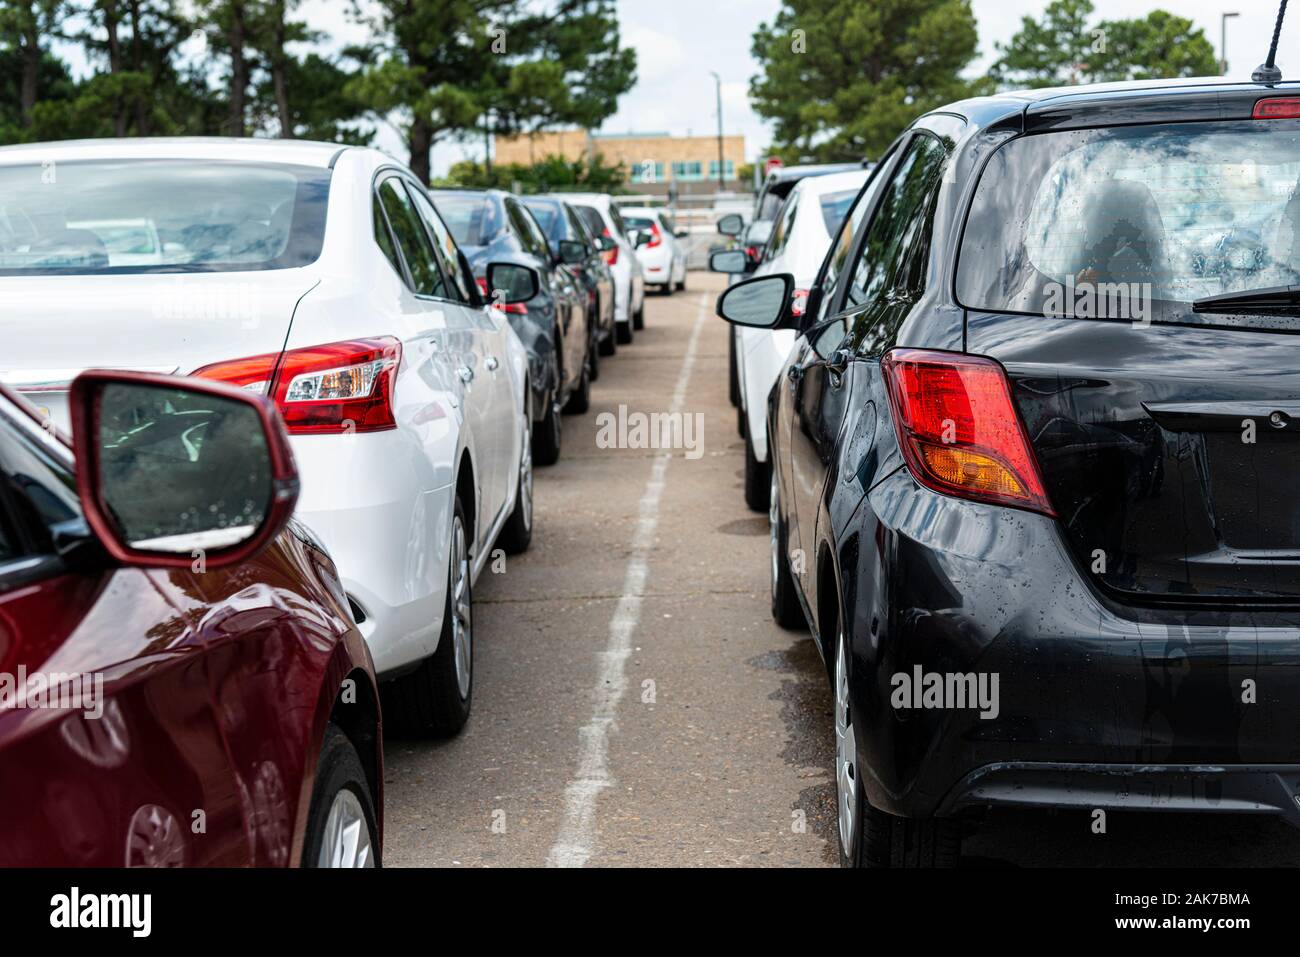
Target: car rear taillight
[959,430]
[1277,108]
[656,237]
[324,390]
[611,255]
[516,308]
[799,302]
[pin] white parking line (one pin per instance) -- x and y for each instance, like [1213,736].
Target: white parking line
[575,842]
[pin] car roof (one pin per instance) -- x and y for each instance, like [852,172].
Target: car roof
[1117,103]
[783,173]
[249,149]
[832,182]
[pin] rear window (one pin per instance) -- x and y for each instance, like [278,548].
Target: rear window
[835,206]
[1112,223]
[545,214]
[142,216]
[639,222]
[473,220]
[595,222]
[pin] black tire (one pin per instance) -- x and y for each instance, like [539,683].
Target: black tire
[547,435]
[339,769]
[732,372]
[580,398]
[786,610]
[638,317]
[517,533]
[667,288]
[884,840]
[609,345]
[758,480]
[623,330]
[428,702]
[681,286]
[593,359]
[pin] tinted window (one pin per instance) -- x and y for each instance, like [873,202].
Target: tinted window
[36,484]
[898,236]
[576,229]
[532,241]
[142,216]
[384,238]
[444,247]
[545,214]
[785,225]
[1175,213]
[411,237]
[834,207]
[595,222]
[617,219]
[473,220]
[845,240]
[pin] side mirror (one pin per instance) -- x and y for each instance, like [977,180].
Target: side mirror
[640,238]
[605,244]
[511,283]
[733,262]
[733,224]
[681,233]
[171,469]
[762,303]
[572,252]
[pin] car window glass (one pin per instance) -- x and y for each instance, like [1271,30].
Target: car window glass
[35,483]
[444,246]
[784,226]
[578,231]
[411,237]
[384,238]
[617,219]
[899,223]
[849,231]
[471,218]
[538,234]
[522,229]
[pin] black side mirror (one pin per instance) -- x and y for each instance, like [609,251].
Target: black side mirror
[572,252]
[762,303]
[511,283]
[605,244]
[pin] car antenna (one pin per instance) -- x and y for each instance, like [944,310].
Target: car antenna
[1268,71]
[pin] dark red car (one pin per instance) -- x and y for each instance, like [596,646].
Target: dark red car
[181,682]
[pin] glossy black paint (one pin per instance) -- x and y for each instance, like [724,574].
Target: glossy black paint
[555,329]
[1111,690]
[562,222]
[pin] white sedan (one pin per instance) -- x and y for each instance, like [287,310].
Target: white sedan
[320,275]
[801,235]
[660,247]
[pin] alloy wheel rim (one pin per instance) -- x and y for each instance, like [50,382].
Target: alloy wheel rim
[846,753]
[346,838]
[773,518]
[526,480]
[462,620]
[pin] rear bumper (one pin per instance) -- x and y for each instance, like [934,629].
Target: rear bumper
[1076,685]
[1221,789]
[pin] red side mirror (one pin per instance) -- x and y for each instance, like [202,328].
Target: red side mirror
[173,470]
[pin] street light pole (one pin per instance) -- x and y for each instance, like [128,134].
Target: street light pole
[717,80]
[1223,41]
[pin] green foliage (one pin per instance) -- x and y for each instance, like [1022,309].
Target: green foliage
[841,78]
[553,174]
[1063,48]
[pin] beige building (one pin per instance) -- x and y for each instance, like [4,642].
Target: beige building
[653,160]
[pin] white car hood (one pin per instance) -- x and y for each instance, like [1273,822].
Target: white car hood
[53,327]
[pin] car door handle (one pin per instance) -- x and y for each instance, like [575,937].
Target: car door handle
[492,364]
[466,374]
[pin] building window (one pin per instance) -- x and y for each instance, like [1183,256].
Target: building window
[688,171]
[728,173]
[647,171]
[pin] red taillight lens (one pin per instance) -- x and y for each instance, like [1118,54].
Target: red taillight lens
[656,237]
[324,390]
[1277,108]
[516,308]
[959,430]
[799,302]
[611,255]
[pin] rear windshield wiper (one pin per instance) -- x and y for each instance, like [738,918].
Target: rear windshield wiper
[1283,299]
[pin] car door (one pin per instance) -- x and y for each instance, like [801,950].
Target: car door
[129,766]
[456,328]
[503,441]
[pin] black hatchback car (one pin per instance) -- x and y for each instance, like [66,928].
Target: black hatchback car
[1035,462]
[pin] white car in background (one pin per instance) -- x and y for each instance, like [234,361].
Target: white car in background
[602,216]
[659,247]
[320,275]
[801,235]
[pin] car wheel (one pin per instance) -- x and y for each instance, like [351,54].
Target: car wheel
[681,283]
[758,479]
[593,359]
[624,332]
[341,829]
[868,836]
[580,398]
[732,372]
[638,317]
[786,610]
[517,533]
[434,700]
[546,436]
[609,345]
[667,288]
